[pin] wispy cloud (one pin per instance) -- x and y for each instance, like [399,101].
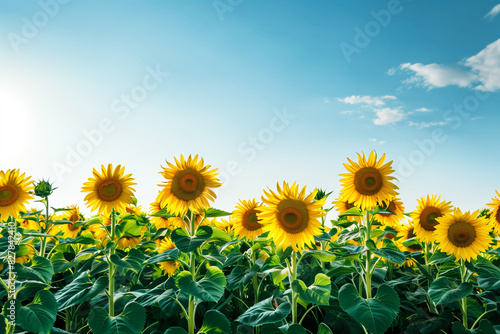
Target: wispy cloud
[326,100]
[387,116]
[423,125]
[377,101]
[481,72]
[423,109]
[375,141]
[493,12]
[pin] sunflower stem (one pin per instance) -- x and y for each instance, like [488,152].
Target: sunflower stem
[44,240]
[294,295]
[254,280]
[463,274]
[111,288]
[368,258]
[192,263]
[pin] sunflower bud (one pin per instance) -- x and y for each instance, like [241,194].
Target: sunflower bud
[43,189]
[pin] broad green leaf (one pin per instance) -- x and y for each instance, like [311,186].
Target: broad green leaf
[163,213]
[351,212]
[80,290]
[324,329]
[440,257]
[318,293]
[39,316]
[444,291]
[186,243]
[133,260]
[130,321]
[176,330]
[321,255]
[208,289]
[2,325]
[387,252]
[171,254]
[485,327]
[239,277]
[40,269]
[296,329]
[264,312]
[375,314]
[212,213]
[215,322]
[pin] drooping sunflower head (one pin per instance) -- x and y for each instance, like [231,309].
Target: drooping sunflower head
[14,193]
[291,216]
[463,234]
[163,245]
[425,216]
[128,241]
[341,205]
[109,190]
[407,232]
[246,222]
[133,210]
[25,253]
[189,184]
[495,212]
[368,181]
[395,205]
[73,215]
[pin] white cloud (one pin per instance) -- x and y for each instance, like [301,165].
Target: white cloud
[481,71]
[493,12]
[377,142]
[423,109]
[487,65]
[326,100]
[392,71]
[367,100]
[387,116]
[423,125]
[348,112]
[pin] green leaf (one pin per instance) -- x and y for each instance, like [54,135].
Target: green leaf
[215,322]
[208,289]
[265,313]
[130,321]
[390,251]
[351,212]
[485,327]
[239,278]
[296,329]
[376,314]
[171,254]
[80,290]
[444,291]
[318,293]
[176,330]
[163,213]
[321,255]
[39,316]
[324,329]
[186,243]
[439,257]
[133,260]
[41,269]
[211,213]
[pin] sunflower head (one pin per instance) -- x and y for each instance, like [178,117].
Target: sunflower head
[425,217]
[368,182]
[341,206]
[128,241]
[395,205]
[463,234]
[109,190]
[14,193]
[494,215]
[407,232]
[43,189]
[291,216]
[246,222]
[73,215]
[189,185]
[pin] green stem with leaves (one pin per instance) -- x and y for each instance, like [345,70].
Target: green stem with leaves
[368,272]
[255,282]
[192,262]
[46,228]
[112,270]
[463,276]
[294,295]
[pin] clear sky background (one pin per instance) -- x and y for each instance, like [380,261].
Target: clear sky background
[265,91]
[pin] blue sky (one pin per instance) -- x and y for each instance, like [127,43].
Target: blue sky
[264,91]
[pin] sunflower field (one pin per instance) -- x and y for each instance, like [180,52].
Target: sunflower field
[273,265]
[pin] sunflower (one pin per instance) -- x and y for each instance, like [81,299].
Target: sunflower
[99,233]
[27,222]
[128,241]
[25,253]
[73,215]
[109,190]
[188,185]
[463,234]
[396,206]
[407,232]
[134,210]
[368,182]
[342,206]
[246,221]
[14,193]
[291,217]
[162,222]
[426,214]
[164,245]
[226,225]
[495,212]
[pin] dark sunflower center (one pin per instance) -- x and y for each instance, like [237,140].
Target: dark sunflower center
[390,236]
[497,216]
[188,185]
[72,227]
[293,215]
[368,181]
[250,220]
[349,205]
[110,190]
[461,234]
[391,208]
[74,217]
[8,195]
[428,218]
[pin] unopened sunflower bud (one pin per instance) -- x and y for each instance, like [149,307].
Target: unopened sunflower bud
[43,189]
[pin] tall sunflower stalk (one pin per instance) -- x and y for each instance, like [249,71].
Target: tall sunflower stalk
[44,189]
